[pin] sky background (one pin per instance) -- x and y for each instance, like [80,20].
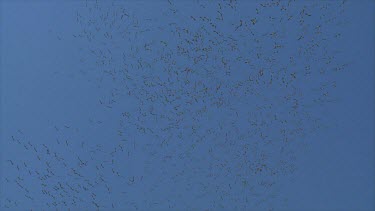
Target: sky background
[51,86]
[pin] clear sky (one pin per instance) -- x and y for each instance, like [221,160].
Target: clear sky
[187,105]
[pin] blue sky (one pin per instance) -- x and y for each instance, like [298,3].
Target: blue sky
[177,105]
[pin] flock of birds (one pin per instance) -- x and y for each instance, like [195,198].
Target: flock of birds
[214,100]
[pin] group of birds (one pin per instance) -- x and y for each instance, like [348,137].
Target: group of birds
[214,100]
